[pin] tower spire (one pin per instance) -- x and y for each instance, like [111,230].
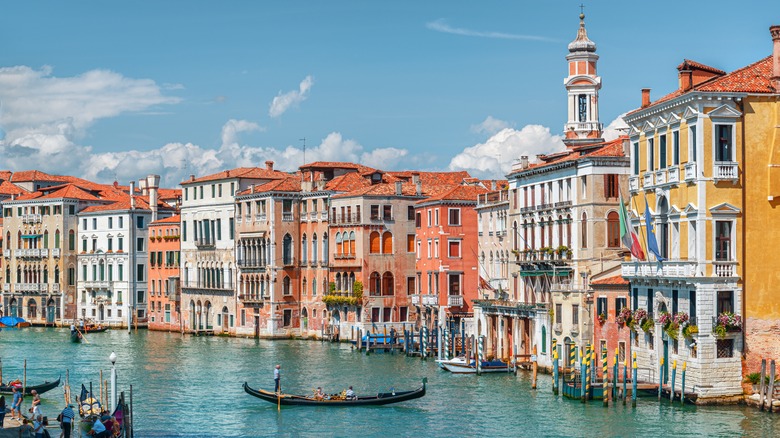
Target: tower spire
[582,86]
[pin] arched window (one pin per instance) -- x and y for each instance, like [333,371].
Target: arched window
[8,240]
[568,230]
[46,239]
[304,248]
[71,240]
[287,255]
[338,282]
[532,226]
[544,339]
[374,282]
[56,239]
[314,248]
[387,283]
[584,230]
[56,274]
[352,242]
[550,231]
[561,238]
[339,245]
[387,243]
[613,230]
[286,286]
[325,248]
[514,235]
[373,239]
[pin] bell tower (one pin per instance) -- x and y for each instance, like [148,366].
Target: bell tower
[582,87]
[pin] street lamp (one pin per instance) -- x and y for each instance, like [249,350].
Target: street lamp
[112,358]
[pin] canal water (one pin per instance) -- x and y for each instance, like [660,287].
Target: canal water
[190,386]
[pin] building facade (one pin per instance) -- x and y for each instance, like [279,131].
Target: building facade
[164,285]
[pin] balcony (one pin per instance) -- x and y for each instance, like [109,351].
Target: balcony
[563,204]
[633,183]
[287,216]
[289,262]
[313,215]
[415,299]
[239,218]
[204,243]
[304,216]
[673,175]
[97,284]
[455,300]
[346,219]
[260,217]
[324,216]
[344,256]
[31,218]
[569,287]
[725,171]
[55,288]
[6,253]
[667,269]
[55,252]
[192,287]
[251,264]
[44,252]
[647,180]
[6,287]
[690,172]
[251,299]
[430,300]
[660,176]
[29,287]
[725,269]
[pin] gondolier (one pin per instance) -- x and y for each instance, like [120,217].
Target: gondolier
[277,378]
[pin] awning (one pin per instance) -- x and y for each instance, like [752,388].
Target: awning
[30,236]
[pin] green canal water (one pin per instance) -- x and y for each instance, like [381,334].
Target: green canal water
[188,386]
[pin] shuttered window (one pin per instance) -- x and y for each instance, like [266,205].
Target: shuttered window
[387,243]
[374,243]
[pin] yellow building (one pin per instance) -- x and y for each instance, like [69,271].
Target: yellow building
[705,159]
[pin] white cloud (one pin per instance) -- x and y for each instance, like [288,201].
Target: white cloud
[494,157]
[441,25]
[231,129]
[490,126]
[616,128]
[283,102]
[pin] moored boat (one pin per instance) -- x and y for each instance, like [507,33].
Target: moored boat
[43,387]
[14,322]
[495,366]
[382,398]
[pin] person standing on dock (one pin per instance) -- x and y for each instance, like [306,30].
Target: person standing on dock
[36,404]
[16,405]
[2,410]
[66,420]
[277,378]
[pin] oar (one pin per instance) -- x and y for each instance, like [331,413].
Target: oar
[279,401]
[81,334]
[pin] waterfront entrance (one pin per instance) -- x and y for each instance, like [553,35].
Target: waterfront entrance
[176,378]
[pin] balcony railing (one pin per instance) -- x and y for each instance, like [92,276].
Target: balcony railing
[674,175]
[669,268]
[287,216]
[6,253]
[563,204]
[55,252]
[260,217]
[251,298]
[660,176]
[313,215]
[6,287]
[31,218]
[95,284]
[255,264]
[55,288]
[455,300]
[725,170]
[204,243]
[346,219]
[568,287]
[633,183]
[725,269]
[344,256]
[29,287]
[647,179]
[430,300]
[690,172]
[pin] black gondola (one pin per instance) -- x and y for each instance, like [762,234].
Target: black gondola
[383,398]
[88,404]
[45,386]
[75,336]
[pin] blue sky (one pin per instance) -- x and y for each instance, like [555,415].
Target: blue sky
[123,89]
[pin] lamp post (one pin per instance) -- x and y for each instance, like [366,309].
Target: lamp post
[112,358]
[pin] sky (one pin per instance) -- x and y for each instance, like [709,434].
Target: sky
[118,90]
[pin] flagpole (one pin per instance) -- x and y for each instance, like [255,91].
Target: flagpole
[641,233]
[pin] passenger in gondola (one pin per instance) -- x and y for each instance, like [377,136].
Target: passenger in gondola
[319,395]
[350,394]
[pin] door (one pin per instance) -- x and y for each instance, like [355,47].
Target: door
[101,313]
[257,326]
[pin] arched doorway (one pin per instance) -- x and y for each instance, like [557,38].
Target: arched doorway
[101,313]
[32,309]
[304,319]
[14,308]
[192,315]
[335,317]
[225,316]
[199,312]
[207,313]
[51,311]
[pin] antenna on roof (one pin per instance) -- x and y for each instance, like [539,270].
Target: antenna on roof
[304,149]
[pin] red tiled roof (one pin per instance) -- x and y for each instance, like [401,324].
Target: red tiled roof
[5,175]
[612,148]
[175,219]
[168,193]
[69,191]
[8,188]
[688,64]
[241,172]
[457,193]
[753,78]
[347,182]
[614,281]
[337,165]
[282,185]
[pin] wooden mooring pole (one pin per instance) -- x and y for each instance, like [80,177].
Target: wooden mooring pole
[771,385]
[660,378]
[555,366]
[534,366]
[633,382]
[625,381]
[682,386]
[762,384]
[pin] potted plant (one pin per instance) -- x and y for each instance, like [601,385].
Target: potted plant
[753,379]
[690,330]
[647,324]
[639,317]
[727,322]
[602,318]
[625,317]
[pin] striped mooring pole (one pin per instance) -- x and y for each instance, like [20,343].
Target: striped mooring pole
[682,386]
[625,380]
[605,376]
[589,360]
[424,342]
[572,361]
[480,347]
[446,349]
[583,372]
[633,383]
[674,374]
[660,378]
[555,366]
[616,375]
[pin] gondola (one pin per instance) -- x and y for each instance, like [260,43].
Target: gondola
[88,404]
[383,398]
[75,336]
[44,387]
[95,329]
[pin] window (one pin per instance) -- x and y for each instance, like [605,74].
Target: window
[436,248]
[650,154]
[410,243]
[120,244]
[692,144]
[558,312]
[611,186]
[139,244]
[675,148]
[662,151]
[725,348]
[583,184]
[121,222]
[601,306]
[454,215]
[620,303]
[692,304]
[584,231]
[72,240]
[725,301]
[374,243]
[723,143]
[387,243]
[387,212]
[110,244]
[429,218]
[418,220]
[410,213]
[139,222]
[374,212]
[140,271]
[575,314]
[83,224]
[613,230]
[230,227]
[121,273]
[84,245]
[636,159]
[71,276]
[287,320]
[286,286]
[453,248]
[430,248]
[723,240]
[582,108]
[453,284]
[436,217]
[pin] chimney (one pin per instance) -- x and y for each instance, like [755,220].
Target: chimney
[685,79]
[626,147]
[492,184]
[269,165]
[399,188]
[775,32]
[417,183]
[152,184]
[132,197]
[524,161]
[192,177]
[251,188]
[143,187]
[645,97]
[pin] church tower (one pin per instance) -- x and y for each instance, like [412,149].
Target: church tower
[582,86]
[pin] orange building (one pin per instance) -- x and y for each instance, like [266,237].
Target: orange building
[164,289]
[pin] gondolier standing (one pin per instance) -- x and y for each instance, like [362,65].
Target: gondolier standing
[277,378]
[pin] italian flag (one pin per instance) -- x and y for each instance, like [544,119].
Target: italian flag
[627,234]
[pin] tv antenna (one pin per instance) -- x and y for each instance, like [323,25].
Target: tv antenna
[304,149]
